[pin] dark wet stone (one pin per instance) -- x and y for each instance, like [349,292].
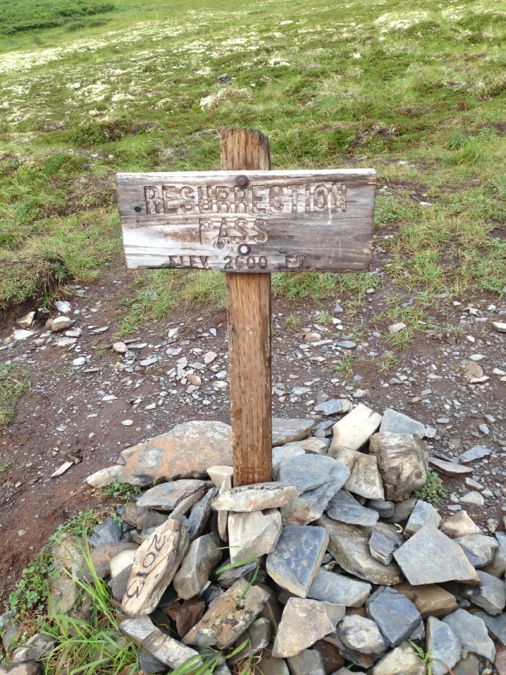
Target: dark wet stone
[347,509]
[297,557]
[394,613]
[338,588]
[108,532]
[443,645]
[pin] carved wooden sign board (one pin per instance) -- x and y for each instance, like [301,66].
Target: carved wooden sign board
[248,221]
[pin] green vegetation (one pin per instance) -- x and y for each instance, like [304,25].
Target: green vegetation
[12,387]
[30,15]
[122,491]
[433,490]
[30,595]
[32,590]
[92,644]
[345,366]
[417,93]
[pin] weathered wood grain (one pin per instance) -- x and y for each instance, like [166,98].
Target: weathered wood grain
[248,220]
[249,322]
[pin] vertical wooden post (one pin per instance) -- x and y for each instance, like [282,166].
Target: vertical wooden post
[249,320]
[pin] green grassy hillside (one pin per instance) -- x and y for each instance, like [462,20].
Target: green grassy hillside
[415,90]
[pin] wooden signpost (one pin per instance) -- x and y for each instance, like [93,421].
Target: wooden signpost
[248,221]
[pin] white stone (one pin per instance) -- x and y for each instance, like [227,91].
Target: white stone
[355,428]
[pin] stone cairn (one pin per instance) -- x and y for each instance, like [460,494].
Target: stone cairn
[333,565]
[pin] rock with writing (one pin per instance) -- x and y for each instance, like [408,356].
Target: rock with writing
[156,562]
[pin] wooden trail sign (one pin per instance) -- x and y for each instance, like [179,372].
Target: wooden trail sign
[248,221]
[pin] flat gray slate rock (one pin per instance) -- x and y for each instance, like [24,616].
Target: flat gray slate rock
[156,643]
[334,406]
[394,613]
[297,557]
[318,479]
[449,468]
[384,540]
[339,589]
[349,545]
[200,514]
[479,548]
[477,452]
[472,633]
[302,624]
[443,645]
[166,496]
[430,557]
[397,423]
[308,662]
[308,472]
[402,660]
[289,430]
[347,509]
[423,514]
[490,595]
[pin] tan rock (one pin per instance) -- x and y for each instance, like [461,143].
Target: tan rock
[430,599]
[228,616]
[365,479]
[184,452]
[459,525]
[302,624]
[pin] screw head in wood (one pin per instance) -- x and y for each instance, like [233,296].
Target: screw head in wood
[242,181]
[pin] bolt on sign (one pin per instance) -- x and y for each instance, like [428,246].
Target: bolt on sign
[249,221]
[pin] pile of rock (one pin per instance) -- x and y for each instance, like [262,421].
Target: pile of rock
[333,565]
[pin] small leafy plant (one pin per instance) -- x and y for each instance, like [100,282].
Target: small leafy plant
[121,491]
[433,490]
